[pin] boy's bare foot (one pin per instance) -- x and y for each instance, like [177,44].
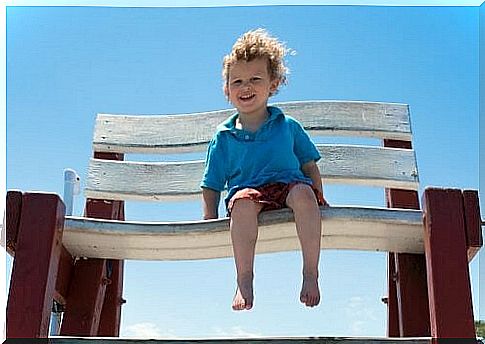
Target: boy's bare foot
[310,292]
[244,295]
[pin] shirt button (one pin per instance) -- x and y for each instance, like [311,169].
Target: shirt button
[246,137]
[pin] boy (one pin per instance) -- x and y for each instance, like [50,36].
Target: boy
[267,162]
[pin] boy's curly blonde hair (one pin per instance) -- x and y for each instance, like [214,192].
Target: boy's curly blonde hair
[258,44]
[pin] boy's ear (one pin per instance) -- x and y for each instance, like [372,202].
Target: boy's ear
[273,87]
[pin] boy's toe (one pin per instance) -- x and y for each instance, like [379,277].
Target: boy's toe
[235,305]
[248,304]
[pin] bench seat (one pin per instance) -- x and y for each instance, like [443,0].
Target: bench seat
[344,227]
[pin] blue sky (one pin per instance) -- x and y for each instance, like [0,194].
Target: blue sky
[212,3]
[65,64]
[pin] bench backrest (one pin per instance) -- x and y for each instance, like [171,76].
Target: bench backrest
[185,133]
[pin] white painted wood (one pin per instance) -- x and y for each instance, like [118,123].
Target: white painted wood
[372,166]
[355,228]
[191,132]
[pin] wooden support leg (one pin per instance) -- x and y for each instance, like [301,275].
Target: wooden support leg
[96,283]
[109,325]
[474,239]
[37,252]
[85,298]
[13,210]
[409,271]
[392,302]
[64,276]
[449,289]
[412,295]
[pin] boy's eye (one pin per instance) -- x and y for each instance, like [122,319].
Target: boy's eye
[256,79]
[236,82]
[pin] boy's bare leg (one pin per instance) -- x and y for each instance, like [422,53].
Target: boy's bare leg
[301,199]
[244,233]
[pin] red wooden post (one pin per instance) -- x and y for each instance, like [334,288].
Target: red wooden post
[85,298]
[37,252]
[412,295]
[13,209]
[449,289]
[410,306]
[392,302]
[94,299]
[474,240]
[64,276]
[109,325]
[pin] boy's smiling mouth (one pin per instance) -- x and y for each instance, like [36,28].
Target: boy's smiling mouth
[247,97]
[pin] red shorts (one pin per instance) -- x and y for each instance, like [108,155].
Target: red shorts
[271,196]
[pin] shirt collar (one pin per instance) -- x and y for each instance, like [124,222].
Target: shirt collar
[230,123]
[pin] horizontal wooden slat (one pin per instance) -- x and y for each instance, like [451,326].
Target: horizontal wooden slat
[372,166]
[272,340]
[345,227]
[190,132]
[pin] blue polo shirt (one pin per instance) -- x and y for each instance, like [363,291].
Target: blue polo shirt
[237,159]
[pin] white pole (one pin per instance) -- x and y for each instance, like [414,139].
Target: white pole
[71,188]
[56,318]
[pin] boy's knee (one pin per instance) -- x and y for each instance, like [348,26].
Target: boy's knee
[301,195]
[244,207]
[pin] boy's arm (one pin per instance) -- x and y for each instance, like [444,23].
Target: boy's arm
[210,203]
[311,170]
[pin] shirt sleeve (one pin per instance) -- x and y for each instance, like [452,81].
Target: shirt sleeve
[214,174]
[304,148]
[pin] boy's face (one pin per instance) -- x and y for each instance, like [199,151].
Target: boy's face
[249,86]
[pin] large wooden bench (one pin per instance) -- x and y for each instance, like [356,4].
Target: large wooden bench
[79,259]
